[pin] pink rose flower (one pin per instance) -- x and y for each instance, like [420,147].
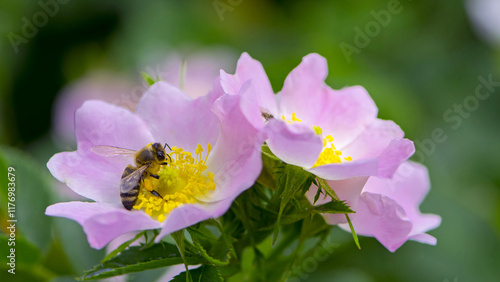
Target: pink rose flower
[334,134]
[209,166]
[387,209]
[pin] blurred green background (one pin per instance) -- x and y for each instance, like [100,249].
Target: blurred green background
[420,65]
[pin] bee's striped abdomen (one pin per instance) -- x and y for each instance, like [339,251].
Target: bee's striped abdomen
[130,198]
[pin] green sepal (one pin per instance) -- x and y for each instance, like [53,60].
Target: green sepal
[333,206]
[354,235]
[322,184]
[290,180]
[148,79]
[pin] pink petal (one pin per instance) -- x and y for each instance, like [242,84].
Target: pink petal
[103,222]
[187,215]
[373,140]
[236,158]
[177,119]
[388,205]
[304,91]
[295,143]
[346,170]
[345,113]
[100,123]
[235,162]
[408,188]
[250,70]
[424,238]
[378,151]
[382,218]
[88,174]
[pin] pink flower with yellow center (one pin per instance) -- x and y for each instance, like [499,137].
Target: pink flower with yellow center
[335,134]
[214,156]
[387,209]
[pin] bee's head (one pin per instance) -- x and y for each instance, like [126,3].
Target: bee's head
[159,151]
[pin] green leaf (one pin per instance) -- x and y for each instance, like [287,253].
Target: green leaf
[322,184]
[318,194]
[354,235]
[122,247]
[290,180]
[214,250]
[333,206]
[134,260]
[210,259]
[204,273]
[226,237]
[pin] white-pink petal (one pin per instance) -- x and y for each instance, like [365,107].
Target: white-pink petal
[295,143]
[177,119]
[103,222]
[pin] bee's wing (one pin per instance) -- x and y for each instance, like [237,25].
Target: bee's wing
[118,153]
[130,181]
[108,151]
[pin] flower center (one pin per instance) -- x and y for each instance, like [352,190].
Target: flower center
[329,154]
[180,182]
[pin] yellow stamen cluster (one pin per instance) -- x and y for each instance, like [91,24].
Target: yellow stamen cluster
[330,154]
[180,182]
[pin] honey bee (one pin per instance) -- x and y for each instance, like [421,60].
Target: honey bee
[147,160]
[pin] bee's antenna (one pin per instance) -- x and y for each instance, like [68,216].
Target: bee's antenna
[166,145]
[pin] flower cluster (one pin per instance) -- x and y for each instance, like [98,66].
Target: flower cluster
[214,154]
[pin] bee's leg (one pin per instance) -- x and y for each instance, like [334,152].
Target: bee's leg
[154,176]
[156,194]
[169,158]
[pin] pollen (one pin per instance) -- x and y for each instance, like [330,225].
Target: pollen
[318,130]
[182,181]
[294,118]
[330,154]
